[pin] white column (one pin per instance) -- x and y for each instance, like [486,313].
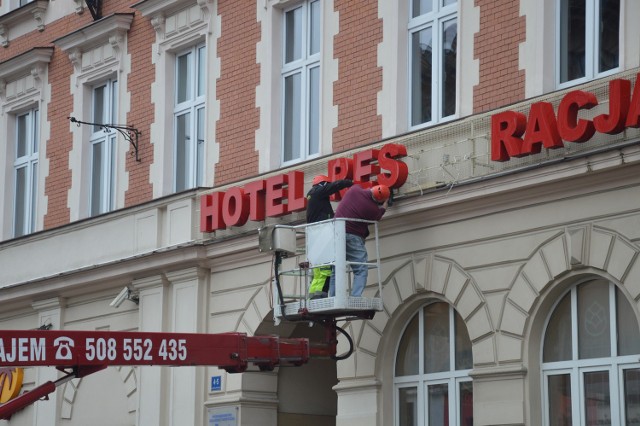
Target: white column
[357,402]
[151,292]
[49,314]
[187,314]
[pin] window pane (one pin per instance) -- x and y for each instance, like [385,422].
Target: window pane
[559,400]
[420,7]
[34,193]
[466,404]
[314,110]
[631,397]
[20,207]
[293,35]
[97,176]
[448,2]
[114,103]
[449,53]
[292,117]
[22,135]
[98,107]
[314,31]
[438,405]
[408,406]
[628,333]
[572,39]
[421,76]
[408,351]
[609,34]
[597,407]
[183,80]
[183,138]
[464,358]
[36,131]
[594,336]
[201,71]
[557,339]
[200,149]
[436,338]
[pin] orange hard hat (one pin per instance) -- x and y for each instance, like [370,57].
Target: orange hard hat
[319,179]
[380,193]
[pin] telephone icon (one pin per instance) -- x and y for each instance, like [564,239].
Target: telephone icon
[64,345]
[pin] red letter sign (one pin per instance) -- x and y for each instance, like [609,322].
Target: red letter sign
[506,129]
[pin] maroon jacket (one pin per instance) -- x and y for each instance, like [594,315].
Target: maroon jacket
[358,203]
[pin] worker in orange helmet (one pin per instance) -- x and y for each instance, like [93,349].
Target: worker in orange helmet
[319,208]
[360,203]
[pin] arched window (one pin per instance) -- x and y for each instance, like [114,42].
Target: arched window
[591,373]
[431,378]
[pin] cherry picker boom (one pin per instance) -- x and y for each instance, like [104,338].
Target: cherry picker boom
[80,353]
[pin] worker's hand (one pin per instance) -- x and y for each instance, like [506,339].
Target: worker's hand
[385,204]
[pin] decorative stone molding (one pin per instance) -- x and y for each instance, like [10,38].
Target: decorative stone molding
[33,10]
[32,62]
[109,30]
[3,88]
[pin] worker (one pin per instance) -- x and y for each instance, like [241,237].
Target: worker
[366,204]
[319,208]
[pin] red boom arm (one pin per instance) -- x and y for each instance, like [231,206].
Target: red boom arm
[80,353]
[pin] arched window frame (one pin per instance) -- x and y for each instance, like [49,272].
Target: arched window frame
[575,369]
[422,381]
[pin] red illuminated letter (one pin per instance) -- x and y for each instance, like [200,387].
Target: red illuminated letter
[276,193]
[619,99]
[255,191]
[542,129]
[235,207]
[297,200]
[506,129]
[398,170]
[570,127]
[633,116]
[340,168]
[211,212]
[363,169]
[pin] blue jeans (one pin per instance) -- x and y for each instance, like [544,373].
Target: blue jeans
[356,252]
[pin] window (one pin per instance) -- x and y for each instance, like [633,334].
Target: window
[103,148]
[301,82]
[591,372]
[431,381]
[189,116]
[25,172]
[589,38]
[433,40]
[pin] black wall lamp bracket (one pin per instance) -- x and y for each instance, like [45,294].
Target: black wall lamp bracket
[130,133]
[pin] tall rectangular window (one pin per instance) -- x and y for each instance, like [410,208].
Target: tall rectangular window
[103,148]
[589,39]
[301,82]
[433,41]
[189,116]
[25,172]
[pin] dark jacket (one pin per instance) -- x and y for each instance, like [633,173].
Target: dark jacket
[318,202]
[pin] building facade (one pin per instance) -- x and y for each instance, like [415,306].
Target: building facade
[143,145]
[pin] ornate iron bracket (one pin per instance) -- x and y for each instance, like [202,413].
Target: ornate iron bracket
[128,132]
[95,7]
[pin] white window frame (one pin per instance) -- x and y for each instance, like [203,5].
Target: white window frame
[615,365]
[453,378]
[194,106]
[105,140]
[28,161]
[308,62]
[592,48]
[435,21]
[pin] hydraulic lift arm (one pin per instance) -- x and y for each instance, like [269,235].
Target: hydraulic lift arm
[80,353]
